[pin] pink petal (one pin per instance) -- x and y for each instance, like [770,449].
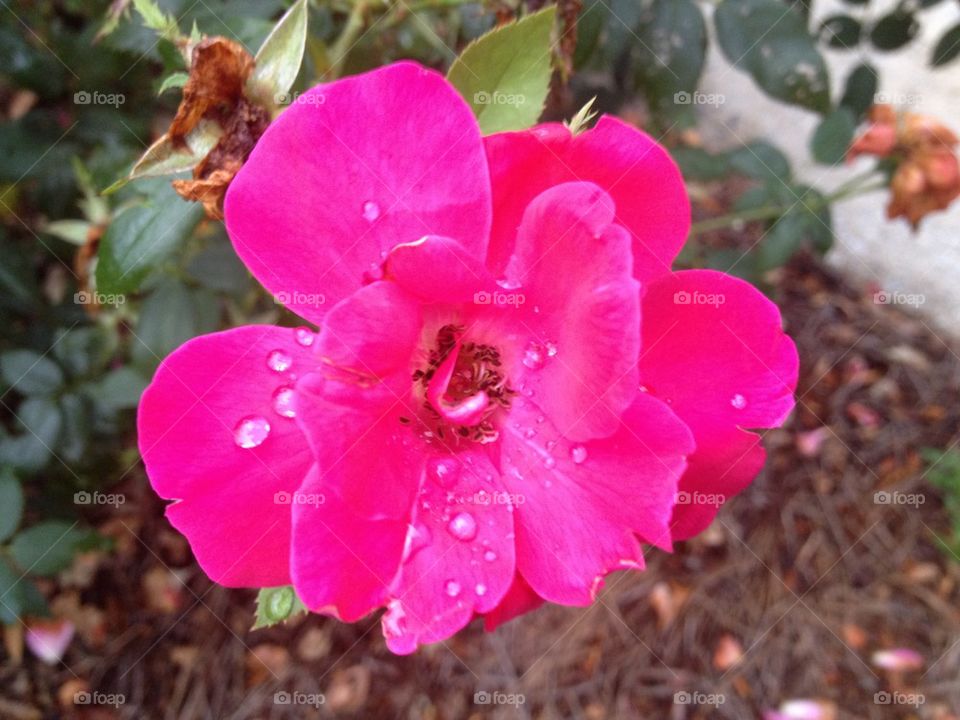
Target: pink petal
[629,165]
[342,564]
[190,420]
[579,327]
[49,639]
[438,269]
[354,407]
[460,554]
[348,172]
[582,503]
[520,599]
[713,348]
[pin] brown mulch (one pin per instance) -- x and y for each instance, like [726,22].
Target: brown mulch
[787,596]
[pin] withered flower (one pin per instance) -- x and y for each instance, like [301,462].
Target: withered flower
[215,91]
[927,177]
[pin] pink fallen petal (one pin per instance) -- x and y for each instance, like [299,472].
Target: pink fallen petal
[49,639]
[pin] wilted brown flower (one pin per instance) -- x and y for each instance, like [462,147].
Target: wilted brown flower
[927,177]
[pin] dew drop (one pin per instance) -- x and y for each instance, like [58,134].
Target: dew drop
[283,401]
[443,471]
[738,401]
[463,526]
[279,361]
[480,589]
[533,357]
[549,462]
[371,211]
[452,588]
[578,453]
[529,433]
[304,336]
[251,431]
[489,556]
[551,349]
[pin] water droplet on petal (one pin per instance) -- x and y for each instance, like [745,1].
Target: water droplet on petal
[533,357]
[463,526]
[578,453]
[443,471]
[489,556]
[549,462]
[371,211]
[452,588]
[529,433]
[251,431]
[304,336]
[480,589]
[738,401]
[279,361]
[551,349]
[283,401]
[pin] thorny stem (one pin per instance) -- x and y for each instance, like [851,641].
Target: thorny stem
[854,186]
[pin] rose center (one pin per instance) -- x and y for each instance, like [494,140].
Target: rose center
[463,387]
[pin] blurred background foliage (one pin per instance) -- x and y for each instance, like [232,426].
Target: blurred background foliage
[86,87]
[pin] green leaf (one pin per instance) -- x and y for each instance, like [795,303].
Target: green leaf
[668,70]
[770,41]
[154,18]
[698,164]
[833,136]
[30,373]
[49,547]
[85,350]
[74,232]
[760,160]
[895,30]
[141,237]
[41,421]
[18,595]
[120,389]
[76,412]
[505,75]
[165,158]
[174,80]
[948,47]
[278,59]
[780,242]
[275,605]
[841,31]
[169,316]
[11,503]
[860,90]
